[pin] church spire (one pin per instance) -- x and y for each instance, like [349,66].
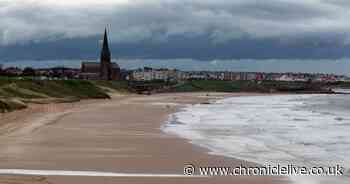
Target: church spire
[105,53]
[106,65]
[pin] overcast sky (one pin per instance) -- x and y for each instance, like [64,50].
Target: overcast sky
[197,29]
[135,20]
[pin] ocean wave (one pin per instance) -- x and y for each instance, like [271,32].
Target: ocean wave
[279,129]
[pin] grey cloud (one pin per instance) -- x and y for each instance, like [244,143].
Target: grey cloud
[270,10]
[136,21]
[341,3]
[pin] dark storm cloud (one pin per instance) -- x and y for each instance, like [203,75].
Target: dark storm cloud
[136,20]
[176,28]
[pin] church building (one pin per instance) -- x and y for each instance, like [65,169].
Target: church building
[103,70]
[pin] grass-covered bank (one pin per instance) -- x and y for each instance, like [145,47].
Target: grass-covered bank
[8,105]
[15,93]
[251,86]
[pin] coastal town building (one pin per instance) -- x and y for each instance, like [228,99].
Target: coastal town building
[107,70]
[149,74]
[103,70]
[12,71]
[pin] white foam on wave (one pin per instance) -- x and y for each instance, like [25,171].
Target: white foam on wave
[267,130]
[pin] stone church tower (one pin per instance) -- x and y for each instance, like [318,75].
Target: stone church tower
[106,64]
[103,70]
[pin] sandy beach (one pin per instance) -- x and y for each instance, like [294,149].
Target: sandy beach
[121,135]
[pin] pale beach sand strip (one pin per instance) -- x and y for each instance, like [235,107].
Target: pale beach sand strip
[27,172]
[122,135]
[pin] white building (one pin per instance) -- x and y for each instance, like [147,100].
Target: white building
[149,75]
[285,78]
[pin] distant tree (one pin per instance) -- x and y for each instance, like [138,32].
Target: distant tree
[147,69]
[1,70]
[28,71]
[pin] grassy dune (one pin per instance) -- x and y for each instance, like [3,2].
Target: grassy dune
[14,93]
[220,86]
[251,86]
[8,105]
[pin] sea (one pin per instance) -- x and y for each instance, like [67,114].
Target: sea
[303,130]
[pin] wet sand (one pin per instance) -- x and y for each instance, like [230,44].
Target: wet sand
[121,135]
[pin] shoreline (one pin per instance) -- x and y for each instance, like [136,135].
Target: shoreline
[144,141]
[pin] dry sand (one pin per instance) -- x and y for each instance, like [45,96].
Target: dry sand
[120,135]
